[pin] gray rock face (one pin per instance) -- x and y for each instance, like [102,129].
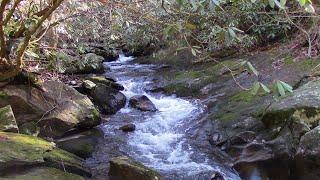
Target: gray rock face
[142,103]
[56,110]
[7,120]
[108,100]
[309,146]
[303,105]
[124,168]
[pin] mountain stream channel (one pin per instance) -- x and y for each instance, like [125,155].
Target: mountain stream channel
[161,139]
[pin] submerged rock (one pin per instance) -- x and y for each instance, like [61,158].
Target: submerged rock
[7,120]
[25,151]
[124,168]
[56,109]
[128,128]
[108,100]
[142,103]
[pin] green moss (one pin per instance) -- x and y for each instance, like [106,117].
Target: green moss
[99,79]
[3,96]
[96,114]
[288,60]
[244,96]
[42,173]
[307,64]
[220,67]
[226,116]
[188,75]
[58,155]
[22,148]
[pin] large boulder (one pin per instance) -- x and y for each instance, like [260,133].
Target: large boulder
[124,168]
[56,109]
[303,105]
[109,100]
[27,151]
[7,120]
[142,103]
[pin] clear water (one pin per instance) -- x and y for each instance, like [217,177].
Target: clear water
[159,140]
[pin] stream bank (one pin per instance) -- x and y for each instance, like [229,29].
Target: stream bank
[238,128]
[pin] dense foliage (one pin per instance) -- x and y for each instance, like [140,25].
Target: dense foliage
[201,26]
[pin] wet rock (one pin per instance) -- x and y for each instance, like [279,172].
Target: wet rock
[110,83]
[254,152]
[7,120]
[280,148]
[82,144]
[243,138]
[24,151]
[217,139]
[309,147]
[128,128]
[216,176]
[142,103]
[124,168]
[303,105]
[108,100]
[56,109]
[42,173]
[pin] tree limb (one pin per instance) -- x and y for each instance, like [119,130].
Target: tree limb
[11,11]
[3,53]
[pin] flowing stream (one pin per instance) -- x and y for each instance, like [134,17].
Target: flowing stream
[160,139]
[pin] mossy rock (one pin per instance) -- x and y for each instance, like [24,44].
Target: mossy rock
[56,109]
[42,173]
[7,120]
[124,168]
[108,82]
[243,96]
[19,150]
[303,105]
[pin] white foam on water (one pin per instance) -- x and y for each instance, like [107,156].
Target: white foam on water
[159,140]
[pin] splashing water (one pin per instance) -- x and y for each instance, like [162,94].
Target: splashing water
[159,140]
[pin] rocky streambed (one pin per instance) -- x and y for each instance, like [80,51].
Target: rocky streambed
[164,117]
[160,139]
